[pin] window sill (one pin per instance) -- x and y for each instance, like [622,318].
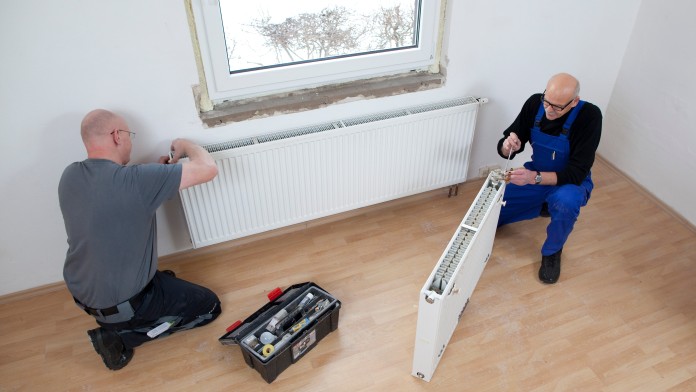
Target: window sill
[308,99]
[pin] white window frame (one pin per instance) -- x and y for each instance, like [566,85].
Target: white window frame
[222,85]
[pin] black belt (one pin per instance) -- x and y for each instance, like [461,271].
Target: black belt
[135,302]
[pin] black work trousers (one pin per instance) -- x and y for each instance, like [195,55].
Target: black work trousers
[181,304]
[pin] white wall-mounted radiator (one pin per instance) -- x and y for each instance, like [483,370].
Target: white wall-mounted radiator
[290,177]
[446,293]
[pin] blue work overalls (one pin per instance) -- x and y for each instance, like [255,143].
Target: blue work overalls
[549,154]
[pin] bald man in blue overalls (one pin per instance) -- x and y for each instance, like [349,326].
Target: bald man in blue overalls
[564,133]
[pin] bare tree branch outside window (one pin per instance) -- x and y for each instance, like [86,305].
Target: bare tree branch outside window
[394,27]
[311,35]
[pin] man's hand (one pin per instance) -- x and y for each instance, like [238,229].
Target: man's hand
[520,176]
[511,144]
[179,148]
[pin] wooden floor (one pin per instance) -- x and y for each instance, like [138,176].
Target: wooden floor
[621,318]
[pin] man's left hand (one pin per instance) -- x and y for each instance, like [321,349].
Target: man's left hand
[521,176]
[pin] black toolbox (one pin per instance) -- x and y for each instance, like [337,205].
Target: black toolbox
[285,329]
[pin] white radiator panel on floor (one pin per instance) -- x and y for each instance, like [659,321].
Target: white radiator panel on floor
[290,177]
[448,289]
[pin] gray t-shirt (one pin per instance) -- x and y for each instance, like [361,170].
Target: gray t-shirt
[109,213]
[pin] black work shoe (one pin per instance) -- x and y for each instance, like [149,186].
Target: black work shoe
[110,347]
[544,210]
[170,273]
[550,267]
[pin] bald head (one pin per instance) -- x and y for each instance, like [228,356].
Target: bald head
[97,124]
[101,133]
[563,86]
[561,95]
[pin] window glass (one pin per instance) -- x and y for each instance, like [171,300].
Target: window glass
[271,33]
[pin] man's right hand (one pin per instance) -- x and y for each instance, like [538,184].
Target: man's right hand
[511,144]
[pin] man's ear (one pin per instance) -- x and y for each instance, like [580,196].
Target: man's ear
[116,136]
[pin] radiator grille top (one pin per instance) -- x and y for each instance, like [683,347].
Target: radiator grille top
[216,147]
[228,145]
[297,132]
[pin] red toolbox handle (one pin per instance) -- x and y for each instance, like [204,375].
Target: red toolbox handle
[275,293]
[272,295]
[234,326]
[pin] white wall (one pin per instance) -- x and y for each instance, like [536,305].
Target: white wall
[650,126]
[62,59]
[507,50]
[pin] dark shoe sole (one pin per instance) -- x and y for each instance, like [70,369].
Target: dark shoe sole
[547,280]
[113,360]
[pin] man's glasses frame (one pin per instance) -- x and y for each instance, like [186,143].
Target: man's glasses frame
[131,134]
[556,108]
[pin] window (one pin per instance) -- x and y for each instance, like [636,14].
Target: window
[264,47]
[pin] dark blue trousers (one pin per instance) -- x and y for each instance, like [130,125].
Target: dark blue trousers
[169,299]
[564,202]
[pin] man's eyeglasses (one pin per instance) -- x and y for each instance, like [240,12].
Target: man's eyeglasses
[554,107]
[132,134]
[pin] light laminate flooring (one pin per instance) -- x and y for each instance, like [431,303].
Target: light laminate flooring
[621,318]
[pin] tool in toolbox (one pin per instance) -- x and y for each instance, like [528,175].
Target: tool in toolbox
[285,329]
